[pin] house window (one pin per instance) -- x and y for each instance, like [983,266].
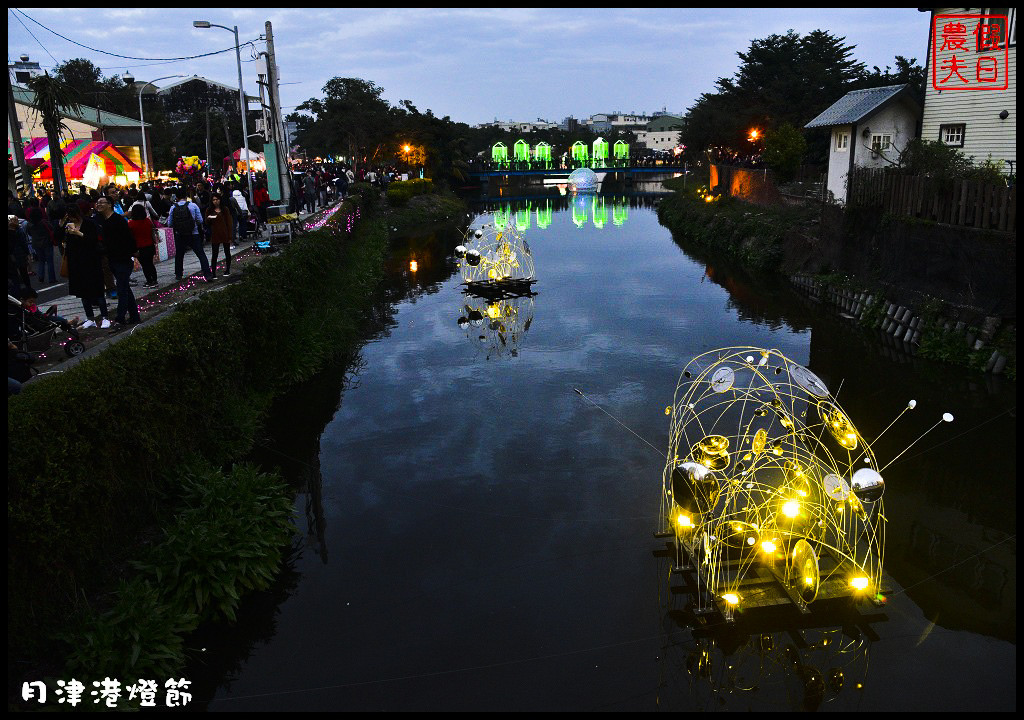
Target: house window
[22,77]
[842,141]
[881,142]
[1009,14]
[952,135]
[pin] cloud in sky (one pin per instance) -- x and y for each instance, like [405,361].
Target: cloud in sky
[472,64]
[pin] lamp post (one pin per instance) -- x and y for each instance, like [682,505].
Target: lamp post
[241,102]
[142,122]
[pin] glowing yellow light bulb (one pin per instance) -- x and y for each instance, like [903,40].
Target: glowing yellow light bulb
[859,583]
[493,312]
[413,265]
[768,546]
[684,521]
[731,598]
[791,508]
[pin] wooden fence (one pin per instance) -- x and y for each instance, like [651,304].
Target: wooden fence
[968,203]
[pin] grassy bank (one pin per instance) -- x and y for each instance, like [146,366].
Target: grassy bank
[755,236]
[114,463]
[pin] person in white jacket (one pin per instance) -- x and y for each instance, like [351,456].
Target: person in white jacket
[241,214]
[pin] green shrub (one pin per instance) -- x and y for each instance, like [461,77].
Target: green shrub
[141,636]
[89,449]
[399,193]
[226,542]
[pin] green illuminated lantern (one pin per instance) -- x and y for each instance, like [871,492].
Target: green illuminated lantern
[544,215]
[600,152]
[579,153]
[523,219]
[621,152]
[522,151]
[620,213]
[499,153]
[542,154]
[598,213]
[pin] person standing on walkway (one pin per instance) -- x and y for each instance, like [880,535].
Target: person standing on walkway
[40,234]
[241,212]
[185,219]
[309,186]
[218,225]
[144,231]
[119,242]
[262,200]
[17,254]
[85,269]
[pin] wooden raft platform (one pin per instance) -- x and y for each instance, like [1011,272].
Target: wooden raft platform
[762,585]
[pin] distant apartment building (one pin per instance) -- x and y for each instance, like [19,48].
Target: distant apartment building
[661,132]
[521,126]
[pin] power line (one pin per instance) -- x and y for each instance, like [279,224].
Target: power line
[32,34]
[126,57]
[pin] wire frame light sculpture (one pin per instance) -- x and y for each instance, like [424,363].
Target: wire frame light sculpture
[600,153]
[768,479]
[496,258]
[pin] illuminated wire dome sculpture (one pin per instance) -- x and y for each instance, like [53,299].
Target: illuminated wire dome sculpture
[769,489]
[496,260]
[582,180]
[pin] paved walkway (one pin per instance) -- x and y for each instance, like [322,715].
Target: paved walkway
[152,302]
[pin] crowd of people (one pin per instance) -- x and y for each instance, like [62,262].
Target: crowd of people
[317,185]
[99,237]
[96,238]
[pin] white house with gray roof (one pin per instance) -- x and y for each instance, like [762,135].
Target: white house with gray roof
[869,129]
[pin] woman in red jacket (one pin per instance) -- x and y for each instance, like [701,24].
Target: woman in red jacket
[144,230]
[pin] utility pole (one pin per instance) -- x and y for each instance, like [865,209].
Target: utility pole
[277,118]
[19,149]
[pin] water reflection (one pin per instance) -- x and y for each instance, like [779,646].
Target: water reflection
[524,212]
[792,662]
[496,325]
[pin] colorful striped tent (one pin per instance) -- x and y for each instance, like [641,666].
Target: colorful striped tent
[77,154]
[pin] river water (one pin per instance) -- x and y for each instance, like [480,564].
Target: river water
[478,535]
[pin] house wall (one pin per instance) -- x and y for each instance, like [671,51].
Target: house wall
[665,140]
[979,110]
[839,163]
[896,120]
[32,126]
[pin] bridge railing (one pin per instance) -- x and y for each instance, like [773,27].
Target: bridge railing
[481,166]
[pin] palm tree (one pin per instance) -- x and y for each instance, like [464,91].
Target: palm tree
[54,100]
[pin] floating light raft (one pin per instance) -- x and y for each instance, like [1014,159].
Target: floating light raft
[496,261]
[769,490]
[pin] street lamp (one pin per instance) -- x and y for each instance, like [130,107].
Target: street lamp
[241,101]
[142,121]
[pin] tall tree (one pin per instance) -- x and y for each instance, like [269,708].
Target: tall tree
[352,120]
[781,79]
[53,100]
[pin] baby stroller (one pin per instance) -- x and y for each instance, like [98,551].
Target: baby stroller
[35,333]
